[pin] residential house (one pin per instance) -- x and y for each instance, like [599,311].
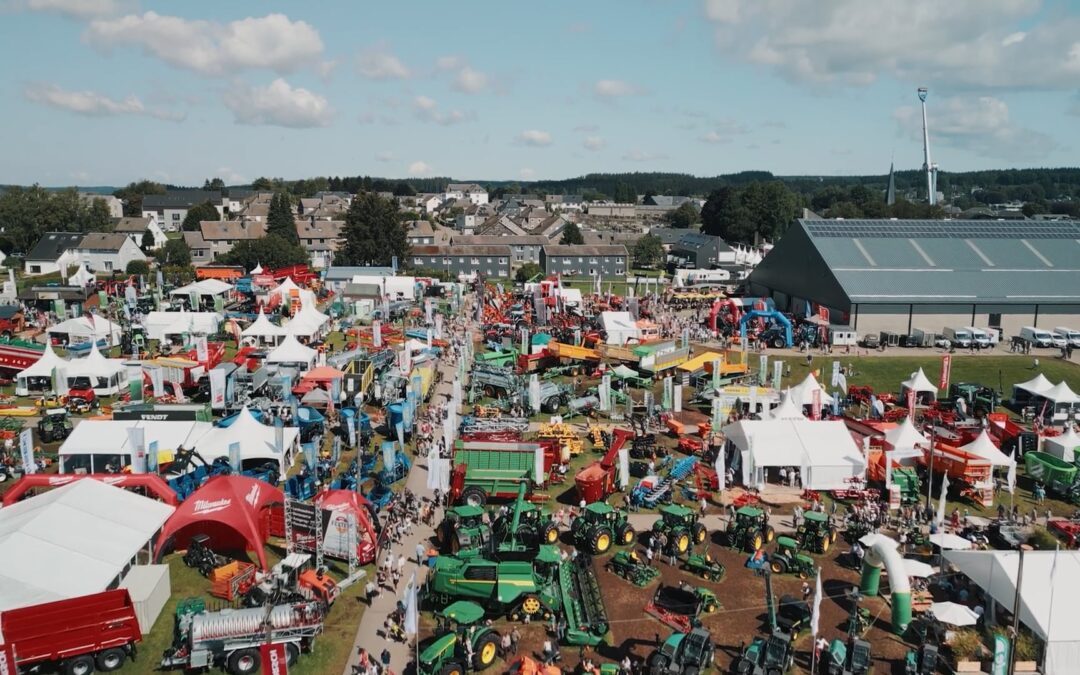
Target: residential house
[337,277]
[611,237]
[136,227]
[320,238]
[170,209]
[216,237]
[107,252]
[489,261]
[565,202]
[420,233]
[256,207]
[54,252]
[429,203]
[115,206]
[701,251]
[612,210]
[524,248]
[468,191]
[236,199]
[586,261]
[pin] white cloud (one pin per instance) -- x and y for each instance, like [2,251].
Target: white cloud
[534,137]
[230,177]
[279,104]
[326,68]
[273,42]
[715,137]
[80,9]
[527,173]
[419,169]
[470,81]
[384,156]
[616,89]
[449,62]
[642,156]
[94,104]
[594,143]
[962,43]
[378,63]
[426,109]
[981,125]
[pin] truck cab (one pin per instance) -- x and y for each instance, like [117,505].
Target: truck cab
[1038,337]
[958,337]
[1070,336]
[980,337]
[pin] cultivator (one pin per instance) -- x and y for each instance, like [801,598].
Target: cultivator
[483,425]
[629,566]
[564,435]
[582,603]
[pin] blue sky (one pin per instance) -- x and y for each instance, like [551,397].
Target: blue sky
[108,91]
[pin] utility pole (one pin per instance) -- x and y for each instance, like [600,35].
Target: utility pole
[928,167]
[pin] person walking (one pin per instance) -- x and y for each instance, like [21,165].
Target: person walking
[515,638]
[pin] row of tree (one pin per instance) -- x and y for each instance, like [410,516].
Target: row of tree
[28,213]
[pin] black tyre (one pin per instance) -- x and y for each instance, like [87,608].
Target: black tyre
[474,496]
[657,664]
[550,406]
[770,534]
[700,533]
[742,666]
[550,534]
[778,342]
[452,668]
[489,391]
[79,665]
[486,651]
[600,541]
[778,566]
[244,662]
[627,534]
[110,659]
[292,654]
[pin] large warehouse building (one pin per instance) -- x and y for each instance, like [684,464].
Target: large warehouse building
[900,275]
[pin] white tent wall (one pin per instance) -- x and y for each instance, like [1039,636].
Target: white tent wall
[40,370]
[826,448]
[80,330]
[158,325]
[149,587]
[93,443]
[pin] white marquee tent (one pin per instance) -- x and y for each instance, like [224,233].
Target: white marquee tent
[1025,390]
[620,327]
[1063,446]
[787,410]
[81,277]
[919,383]
[1048,596]
[93,443]
[74,540]
[824,450]
[38,376]
[291,352]
[262,330]
[309,322]
[258,442]
[83,329]
[905,438]
[985,448]
[1061,399]
[802,394]
[210,287]
[158,325]
[107,376]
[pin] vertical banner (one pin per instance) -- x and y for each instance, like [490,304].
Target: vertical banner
[1000,664]
[624,468]
[777,373]
[217,389]
[678,397]
[439,326]
[428,311]
[7,660]
[763,369]
[669,393]
[59,309]
[152,457]
[888,468]
[194,300]
[351,422]
[835,374]
[26,449]
[685,338]
[946,373]
[157,381]
[202,349]
[538,466]
[605,393]
[137,445]
[534,392]
[376,333]
[159,279]
[910,403]
[219,304]
[716,374]
[717,421]
[234,457]
[649,403]
[524,340]
[815,404]
[400,428]
[130,296]
[274,660]
[279,440]
[103,300]
[753,400]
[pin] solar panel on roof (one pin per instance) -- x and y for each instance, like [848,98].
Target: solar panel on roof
[946,229]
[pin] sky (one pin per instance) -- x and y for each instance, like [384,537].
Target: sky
[103,92]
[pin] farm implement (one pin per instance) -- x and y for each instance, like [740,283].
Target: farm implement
[681,606]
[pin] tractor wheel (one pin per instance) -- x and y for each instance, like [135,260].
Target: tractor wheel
[452,668]
[804,574]
[756,541]
[627,534]
[778,566]
[770,534]
[832,536]
[823,544]
[550,535]
[110,659]
[774,671]
[690,670]
[244,662]
[80,665]
[657,663]
[778,342]
[486,650]
[474,496]
[742,666]
[700,533]
[680,541]
[550,406]
[600,541]
[531,606]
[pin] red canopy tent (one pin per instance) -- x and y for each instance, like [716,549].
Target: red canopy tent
[228,509]
[344,502]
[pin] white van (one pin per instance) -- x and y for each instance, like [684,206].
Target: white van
[980,337]
[1036,336]
[1071,336]
[958,337]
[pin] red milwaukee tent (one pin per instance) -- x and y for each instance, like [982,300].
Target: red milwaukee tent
[342,503]
[231,510]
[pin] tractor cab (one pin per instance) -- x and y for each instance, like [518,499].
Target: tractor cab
[54,425]
[599,526]
[683,653]
[766,655]
[297,570]
[815,532]
[463,529]
[81,395]
[459,635]
[750,529]
[681,527]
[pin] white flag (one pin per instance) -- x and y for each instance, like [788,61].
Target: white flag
[888,470]
[941,503]
[411,610]
[1012,473]
[815,618]
[624,468]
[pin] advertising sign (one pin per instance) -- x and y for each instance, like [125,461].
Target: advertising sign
[274,661]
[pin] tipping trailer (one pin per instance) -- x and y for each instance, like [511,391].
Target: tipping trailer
[962,466]
[75,636]
[599,479]
[232,637]
[494,470]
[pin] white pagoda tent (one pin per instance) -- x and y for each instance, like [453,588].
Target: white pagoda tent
[920,384]
[81,277]
[258,442]
[985,448]
[38,376]
[1062,400]
[787,410]
[905,439]
[803,393]
[1036,385]
[84,329]
[291,352]
[1063,446]
[262,330]
[107,376]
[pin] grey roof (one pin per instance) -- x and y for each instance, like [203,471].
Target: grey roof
[53,244]
[178,199]
[584,250]
[346,273]
[697,240]
[666,200]
[503,251]
[495,240]
[668,235]
[925,261]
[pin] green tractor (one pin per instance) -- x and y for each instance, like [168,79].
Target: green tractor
[54,425]
[815,533]
[523,528]
[683,654]
[681,527]
[852,658]
[749,530]
[766,656]
[630,566]
[463,530]
[599,526]
[703,565]
[462,643]
[787,559]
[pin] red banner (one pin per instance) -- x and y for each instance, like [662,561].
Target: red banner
[815,405]
[274,661]
[946,372]
[7,660]
[911,403]
[823,312]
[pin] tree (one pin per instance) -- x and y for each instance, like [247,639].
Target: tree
[198,213]
[683,217]
[527,271]
[138,267]
[262,183]
[724,216]
[374,233]
[270,251]
[213,184]
[404,189]
[175,252]
[625,194]
[648,252]
[147,242]
[571,235]
[97,217]
[132,195]
[280,220]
